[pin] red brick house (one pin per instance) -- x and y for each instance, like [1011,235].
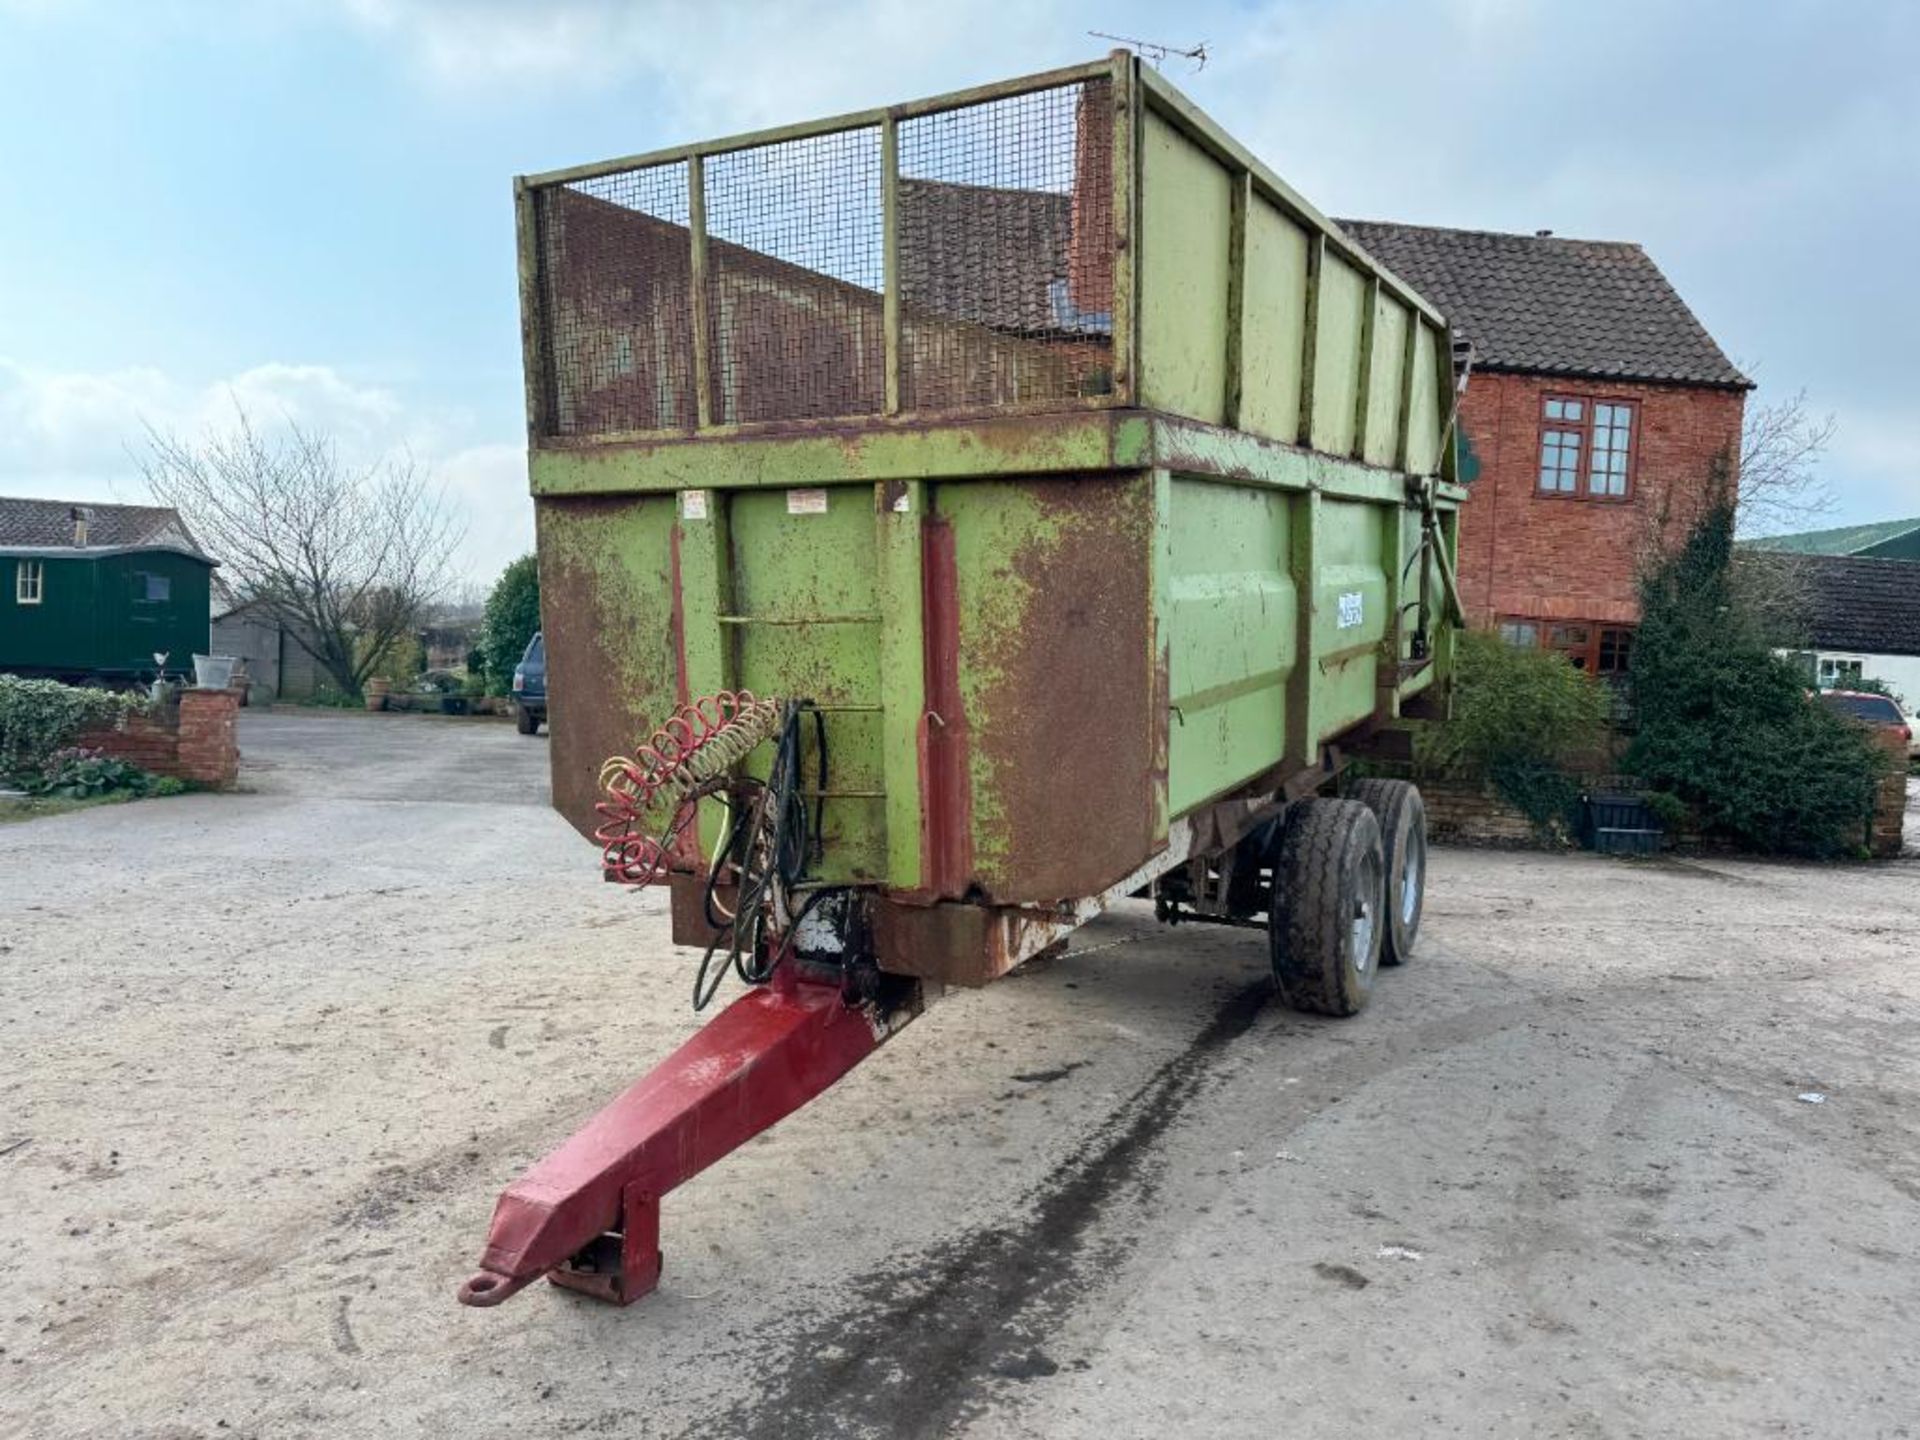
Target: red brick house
[1596,411]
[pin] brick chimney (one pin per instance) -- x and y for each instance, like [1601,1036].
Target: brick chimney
[80,515]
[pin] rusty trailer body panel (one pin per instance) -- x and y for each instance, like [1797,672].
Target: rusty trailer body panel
[1090,481]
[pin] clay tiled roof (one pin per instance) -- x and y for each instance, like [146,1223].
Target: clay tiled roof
[46,524]
[1854,602]
[986,256]
[1544,305]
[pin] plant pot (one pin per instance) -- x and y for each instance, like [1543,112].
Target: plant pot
[213,672]
[376,693]
[453,704]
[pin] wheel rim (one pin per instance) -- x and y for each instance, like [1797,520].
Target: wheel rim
[1366,912]
[1413,873]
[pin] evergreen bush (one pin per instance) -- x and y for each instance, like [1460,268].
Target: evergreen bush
[511,617]
[1729,727]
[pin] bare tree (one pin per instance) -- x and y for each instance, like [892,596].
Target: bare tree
[1780,449]
[1780,489]
[345,557]
[462,600]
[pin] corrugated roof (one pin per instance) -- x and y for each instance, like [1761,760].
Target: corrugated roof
[1841,540]
[49,524]
[1548,305]
[1858,603]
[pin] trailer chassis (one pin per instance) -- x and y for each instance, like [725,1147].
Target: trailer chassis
[588,1215]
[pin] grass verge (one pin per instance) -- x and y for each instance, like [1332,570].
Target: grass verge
[15,808]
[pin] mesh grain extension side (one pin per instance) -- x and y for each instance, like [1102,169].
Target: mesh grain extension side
[615,258]
[1006,251]
[1004,268]
[796,322]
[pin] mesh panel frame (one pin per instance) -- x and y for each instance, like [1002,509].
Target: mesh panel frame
[1004,272]
[615,287]
[795,260]
[1005,217]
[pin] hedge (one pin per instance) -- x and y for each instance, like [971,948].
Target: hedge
[37,717]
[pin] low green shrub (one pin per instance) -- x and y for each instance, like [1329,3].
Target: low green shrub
[37,717]
[398,664]
[1669,809]
[80,774]
[1869,685]
[1520,718]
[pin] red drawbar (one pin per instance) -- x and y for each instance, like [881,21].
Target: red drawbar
[589,1213]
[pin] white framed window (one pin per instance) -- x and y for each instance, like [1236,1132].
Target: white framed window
[29,582]
[1838,671]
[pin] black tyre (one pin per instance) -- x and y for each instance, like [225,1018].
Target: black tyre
[1327,917]
[1402,814]
[524,720]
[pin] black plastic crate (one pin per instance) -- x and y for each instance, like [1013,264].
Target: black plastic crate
[1619,823]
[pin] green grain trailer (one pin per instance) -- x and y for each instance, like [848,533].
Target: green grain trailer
[1093,492]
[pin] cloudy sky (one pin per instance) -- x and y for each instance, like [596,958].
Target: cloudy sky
[305,204]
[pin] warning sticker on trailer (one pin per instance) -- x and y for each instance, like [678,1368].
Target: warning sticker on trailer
[1352,609]
[693,504]
[806,502]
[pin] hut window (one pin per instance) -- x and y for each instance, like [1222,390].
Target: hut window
[152,589]
[29,582]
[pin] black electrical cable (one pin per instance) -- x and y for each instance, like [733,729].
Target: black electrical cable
[820,799]
[737,807]
[769,854]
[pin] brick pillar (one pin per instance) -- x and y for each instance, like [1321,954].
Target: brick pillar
[1890,805]
[209,737]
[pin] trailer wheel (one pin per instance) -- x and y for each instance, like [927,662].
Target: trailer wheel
[1326,920]
[1402,814]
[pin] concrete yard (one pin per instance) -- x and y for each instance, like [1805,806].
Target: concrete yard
[270,1056]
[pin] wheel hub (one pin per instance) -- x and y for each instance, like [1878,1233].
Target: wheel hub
[1412,874]
[1365,913]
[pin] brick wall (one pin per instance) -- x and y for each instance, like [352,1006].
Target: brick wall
[1557,558]
[152,744]
[198,741]
[1468,812]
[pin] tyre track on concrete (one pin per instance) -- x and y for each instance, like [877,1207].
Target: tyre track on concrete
[925,1344]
